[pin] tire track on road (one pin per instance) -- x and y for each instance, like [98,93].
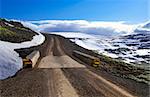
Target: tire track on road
[60,82]
[89,84]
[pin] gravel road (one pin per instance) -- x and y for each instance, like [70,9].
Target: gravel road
[57,74]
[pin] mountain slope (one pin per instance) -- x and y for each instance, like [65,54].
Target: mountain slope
[13,35]
[15,32]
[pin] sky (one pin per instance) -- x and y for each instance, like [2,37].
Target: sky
[132,11]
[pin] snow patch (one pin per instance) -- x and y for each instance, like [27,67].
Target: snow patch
[73,34]
[143,52]
[115,47]
[9,24]
[10,62]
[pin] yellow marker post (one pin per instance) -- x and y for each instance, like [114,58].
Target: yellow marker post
[96,63]
[27,63]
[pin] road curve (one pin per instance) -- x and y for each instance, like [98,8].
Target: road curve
[58,75]
[81,80]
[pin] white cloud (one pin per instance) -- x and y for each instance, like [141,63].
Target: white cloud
[30,25]
[90,27]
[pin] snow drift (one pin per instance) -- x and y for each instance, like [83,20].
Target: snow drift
[10,62]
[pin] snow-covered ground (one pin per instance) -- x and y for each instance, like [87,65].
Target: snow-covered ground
[115,47]
[73,34]
[104,37]
[101,37]
[130,43]
[10,62]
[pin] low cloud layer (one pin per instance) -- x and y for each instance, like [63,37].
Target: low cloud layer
[95,27]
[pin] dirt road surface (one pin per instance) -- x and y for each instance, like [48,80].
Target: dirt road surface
[59,75]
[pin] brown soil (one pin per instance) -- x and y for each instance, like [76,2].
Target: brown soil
[40,82]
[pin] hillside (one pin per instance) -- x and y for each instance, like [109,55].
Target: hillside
[13,35]
[110,69]
[15,32]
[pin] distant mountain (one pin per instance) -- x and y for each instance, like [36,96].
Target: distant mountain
[147,26]
[143,29]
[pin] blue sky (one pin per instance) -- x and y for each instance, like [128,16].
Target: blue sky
[91,10]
